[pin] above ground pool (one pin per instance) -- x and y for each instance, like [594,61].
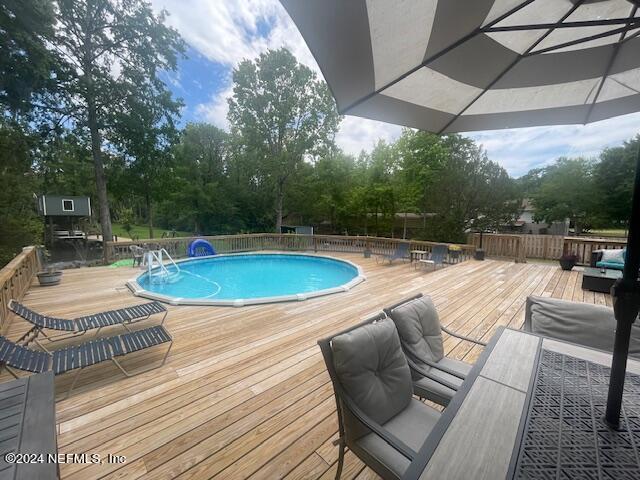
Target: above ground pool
[246,279]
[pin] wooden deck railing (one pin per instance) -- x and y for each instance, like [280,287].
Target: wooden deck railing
[15,279]
[498,245]
[177,247]
[549,247]
[583,247]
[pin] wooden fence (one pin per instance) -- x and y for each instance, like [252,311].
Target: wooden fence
[177,247]
[583,247]
[549,247]
[15,279]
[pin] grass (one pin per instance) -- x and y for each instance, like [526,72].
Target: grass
[142,232]
[609,232]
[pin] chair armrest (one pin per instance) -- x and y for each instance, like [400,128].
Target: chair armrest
[462,337]
[430,376]
[378,429]
[596,256]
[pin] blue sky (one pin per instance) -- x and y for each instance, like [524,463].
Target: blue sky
[220,33]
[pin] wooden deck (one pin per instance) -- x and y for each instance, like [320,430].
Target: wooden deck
[244,392]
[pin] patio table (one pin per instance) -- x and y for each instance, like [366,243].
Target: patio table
[28,428]
[530,407]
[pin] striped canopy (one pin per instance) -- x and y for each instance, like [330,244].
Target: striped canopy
[462,65]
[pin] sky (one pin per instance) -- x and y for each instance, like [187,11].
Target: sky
[220,33]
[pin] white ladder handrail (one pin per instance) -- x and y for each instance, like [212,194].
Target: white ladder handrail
[155,260]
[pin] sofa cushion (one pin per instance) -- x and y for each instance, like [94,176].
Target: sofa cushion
[611,265]
[615,255]
[576,322]
[419,329]
[373,370]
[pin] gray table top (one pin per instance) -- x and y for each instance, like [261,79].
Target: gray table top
[596,272]
[479,430]
[28,426]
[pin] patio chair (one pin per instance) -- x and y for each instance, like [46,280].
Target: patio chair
[378,418]
[138,254]
[400,253]
[78,357]
[437,257]
[576,322]
[81,325]
[435,377]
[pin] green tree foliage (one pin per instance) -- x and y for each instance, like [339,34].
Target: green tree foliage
[114,50]
[613,177]
[26,64]
[568,190]
[19,224]
[283,113]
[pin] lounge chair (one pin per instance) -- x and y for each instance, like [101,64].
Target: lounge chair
[400,253]
[437,257]
[378,417]
[78,357]
[435,377]
[81,325]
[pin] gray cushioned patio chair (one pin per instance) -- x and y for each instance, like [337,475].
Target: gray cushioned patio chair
[576,322]
[435,377]
[378,417]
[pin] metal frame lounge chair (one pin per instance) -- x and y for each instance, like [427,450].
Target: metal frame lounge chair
[78,357]
[400,253]
[435,377]
[81,325]
[437,257]
[378,417]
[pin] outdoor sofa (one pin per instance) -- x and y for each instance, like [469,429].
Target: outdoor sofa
[576,322]
[612,258]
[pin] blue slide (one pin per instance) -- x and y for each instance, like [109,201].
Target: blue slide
[200,248]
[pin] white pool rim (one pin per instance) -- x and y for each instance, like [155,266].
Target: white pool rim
[138,291]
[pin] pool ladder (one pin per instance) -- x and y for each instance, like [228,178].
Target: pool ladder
[157,268]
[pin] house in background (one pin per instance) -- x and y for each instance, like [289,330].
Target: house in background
[525,223]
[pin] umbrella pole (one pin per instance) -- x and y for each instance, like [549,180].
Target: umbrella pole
[626,303]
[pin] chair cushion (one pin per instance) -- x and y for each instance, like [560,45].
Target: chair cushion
[372,369]
[419,329]
[412,426]
[582,323]
[615,255]
[436,392]
[612,265]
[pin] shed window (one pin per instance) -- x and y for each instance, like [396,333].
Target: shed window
[67,205]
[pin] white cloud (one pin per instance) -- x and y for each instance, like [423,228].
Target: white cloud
[227,31]
[357,134]
[215,110]
[519,150]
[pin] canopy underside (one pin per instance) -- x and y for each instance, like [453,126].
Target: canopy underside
[456,65]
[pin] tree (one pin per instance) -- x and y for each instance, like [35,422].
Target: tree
[283,113]
[470,192]
[613,176]
[114,48]
[567,190]
[145,133]
[20,224]
[26,65]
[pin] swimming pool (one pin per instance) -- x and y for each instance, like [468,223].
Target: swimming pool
[247,279]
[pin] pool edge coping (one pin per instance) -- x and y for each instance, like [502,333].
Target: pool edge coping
[138,291]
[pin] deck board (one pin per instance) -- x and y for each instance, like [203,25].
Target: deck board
[244,392]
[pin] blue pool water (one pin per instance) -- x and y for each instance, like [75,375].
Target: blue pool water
[250,277]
